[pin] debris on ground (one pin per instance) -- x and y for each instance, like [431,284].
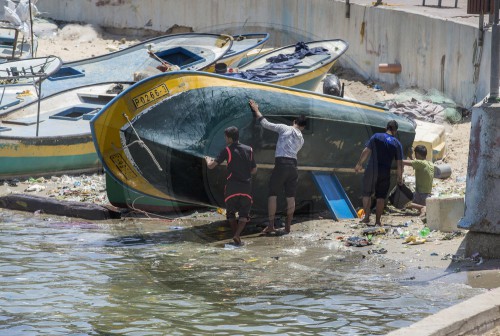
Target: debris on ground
[357,241]
[430,106]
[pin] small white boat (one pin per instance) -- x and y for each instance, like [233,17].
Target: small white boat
[29,70]
[192,51]
[302,65]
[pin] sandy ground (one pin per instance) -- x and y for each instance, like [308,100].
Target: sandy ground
[73,42]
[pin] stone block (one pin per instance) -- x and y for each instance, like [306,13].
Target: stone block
[443,213]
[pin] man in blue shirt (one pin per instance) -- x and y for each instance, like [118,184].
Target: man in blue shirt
[238,192]
[382,148]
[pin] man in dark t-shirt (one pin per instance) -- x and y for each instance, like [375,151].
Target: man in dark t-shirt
[382,148]
[238,192]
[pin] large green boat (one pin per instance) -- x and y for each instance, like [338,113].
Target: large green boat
[152,139]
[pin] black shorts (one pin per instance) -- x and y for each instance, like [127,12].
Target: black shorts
[238,199]
[377,183]
[284,176]
[238,204]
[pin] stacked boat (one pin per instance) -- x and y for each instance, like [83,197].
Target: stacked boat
[46,105]
[155,147]
[151,136]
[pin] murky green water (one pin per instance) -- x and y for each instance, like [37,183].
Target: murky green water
[139,277]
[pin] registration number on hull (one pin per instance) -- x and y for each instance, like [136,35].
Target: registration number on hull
[150,96]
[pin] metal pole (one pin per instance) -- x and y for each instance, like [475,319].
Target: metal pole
[33,51]
[39,98]
[494,75]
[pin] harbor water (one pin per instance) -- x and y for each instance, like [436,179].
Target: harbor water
[161,277]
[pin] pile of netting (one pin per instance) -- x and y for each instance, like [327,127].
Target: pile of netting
[431,106]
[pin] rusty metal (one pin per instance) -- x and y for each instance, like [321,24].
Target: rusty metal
[480,6]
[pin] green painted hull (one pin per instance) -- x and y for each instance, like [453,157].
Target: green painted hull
[35,166]
[124,197]
[335,136]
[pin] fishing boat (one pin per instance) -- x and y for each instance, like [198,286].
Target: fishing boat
[192,51]
[52,135]
[152,139]
[302,65]
[242,45]
[29,70]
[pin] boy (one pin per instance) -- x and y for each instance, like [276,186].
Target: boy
[424,174]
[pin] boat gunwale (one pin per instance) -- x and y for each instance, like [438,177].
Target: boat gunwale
[251,47]
[277,52]
[141,44]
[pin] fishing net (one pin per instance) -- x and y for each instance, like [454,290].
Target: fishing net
[431,105]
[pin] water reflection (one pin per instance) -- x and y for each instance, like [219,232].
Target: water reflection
[157,278]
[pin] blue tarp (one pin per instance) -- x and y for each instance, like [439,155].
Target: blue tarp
[280,66]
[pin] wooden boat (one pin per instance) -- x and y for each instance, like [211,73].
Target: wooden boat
[302,73]
[242,45]
[192,51]
[152,139]
[29,70]
[57,140]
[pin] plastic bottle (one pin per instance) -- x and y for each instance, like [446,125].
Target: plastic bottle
[424,232]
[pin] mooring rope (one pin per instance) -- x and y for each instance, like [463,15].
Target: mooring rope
[141,143]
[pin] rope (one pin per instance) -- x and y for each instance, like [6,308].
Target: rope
[141,143]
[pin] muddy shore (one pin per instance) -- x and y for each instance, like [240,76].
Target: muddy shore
[72,42]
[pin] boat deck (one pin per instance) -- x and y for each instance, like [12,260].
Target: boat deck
[64,114]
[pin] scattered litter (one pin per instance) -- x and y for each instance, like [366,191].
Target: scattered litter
[450,236]
[357,241]
[232,246]
[35,187]
[475,258]
[374,231]
[434,254]
[413,240]
[249,260]
[424,232]
[379,251]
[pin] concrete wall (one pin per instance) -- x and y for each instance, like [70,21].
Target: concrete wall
[434,53]
[475,316]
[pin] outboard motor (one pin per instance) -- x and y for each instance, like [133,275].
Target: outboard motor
[332,86]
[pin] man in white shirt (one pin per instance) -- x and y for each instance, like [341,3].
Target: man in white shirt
[284,175]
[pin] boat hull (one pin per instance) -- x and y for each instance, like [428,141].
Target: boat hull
[43,156]
[309,72]
[242,45]
[192,51]
[157,147]
[52,137]
[124,197]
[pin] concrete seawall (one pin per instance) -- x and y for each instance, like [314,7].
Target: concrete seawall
[440,51]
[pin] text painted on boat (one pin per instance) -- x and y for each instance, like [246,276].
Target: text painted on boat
[122,165]
[150,96]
